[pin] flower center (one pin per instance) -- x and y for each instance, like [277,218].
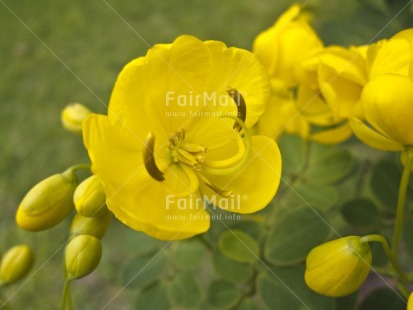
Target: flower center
[190,154]
[193,155]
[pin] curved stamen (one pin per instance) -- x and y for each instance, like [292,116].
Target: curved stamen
[225,163]
[219,191]
[240,164]
[241,106]
[149,158]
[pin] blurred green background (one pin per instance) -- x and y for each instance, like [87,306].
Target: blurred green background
[56,52]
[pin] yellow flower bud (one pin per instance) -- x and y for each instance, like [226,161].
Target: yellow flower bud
[47,203]
[73,116]
[339,267]
[90,197]
[16,264]
[83,254]
[94,226]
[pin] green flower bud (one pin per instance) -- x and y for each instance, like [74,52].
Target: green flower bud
[48,202]
[16,264]
[90,197]
[339,267]
[93,226]
[73,116]
[82,256]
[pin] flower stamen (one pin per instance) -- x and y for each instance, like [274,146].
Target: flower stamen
[219,191]
[149,158]
[241,106]
[190,154]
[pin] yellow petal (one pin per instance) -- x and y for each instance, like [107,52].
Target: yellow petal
[210,129]
[158,213]
[255,185]
[288,42]
[228,155]
[281,115]
[116,154]
[333,136]
[312,106]
[347,63]
[387,105]
[239,69]
[340,94]
[180,180]
[389,56]
[373,138]
[158,92]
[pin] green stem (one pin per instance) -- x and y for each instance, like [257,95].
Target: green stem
[79,167]
[401,203]
[402,277]
[67,297]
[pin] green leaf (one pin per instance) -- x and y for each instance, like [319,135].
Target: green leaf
[238,246]
[184,291]
[230,270]
[153,298]
[249,227]
[143,271]
[360,212]
[248,304]
[294,235]
[142,244]
[382,299]
[329,166]
[285,289]
[222,294]
[322,197]
[187,254]
[384,182]
[292,149]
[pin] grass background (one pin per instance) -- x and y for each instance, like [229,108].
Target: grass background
[56,52]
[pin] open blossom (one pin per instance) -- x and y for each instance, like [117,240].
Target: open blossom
[386,100]
[281,49]
[329,94]
[176,133]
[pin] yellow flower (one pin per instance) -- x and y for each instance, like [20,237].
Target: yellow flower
[387,106]
[331,89]
[284,45]
[171,138]
[339,267]
[16,264]
[48,202]
[73,116]
[282,114]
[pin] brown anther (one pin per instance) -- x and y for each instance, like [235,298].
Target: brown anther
[149,158]
[241,106]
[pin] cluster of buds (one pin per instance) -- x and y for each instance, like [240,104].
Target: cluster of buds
[50,202]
